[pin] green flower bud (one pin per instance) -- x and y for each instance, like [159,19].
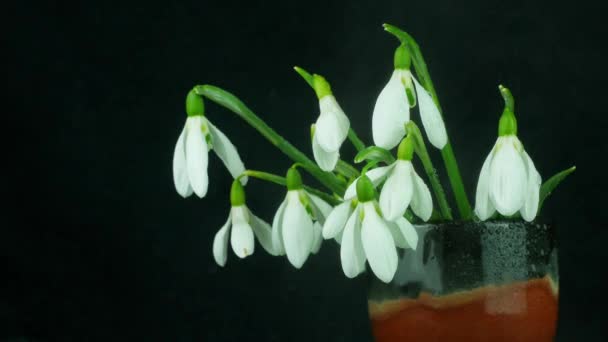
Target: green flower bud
[237,194]
[402,59]
[406,148]
[194,104]
[365,189]
[294,179]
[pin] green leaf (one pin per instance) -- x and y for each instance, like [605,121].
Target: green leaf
[374,153]
[547,188]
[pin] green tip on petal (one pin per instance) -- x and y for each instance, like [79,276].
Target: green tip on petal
[365,189]
[305,75]
[237,194]
[313,128]
[194,104]
[507,124]
[402,58]
[321,86]
[508,97]
[317,82]
[406,148]
[293,179]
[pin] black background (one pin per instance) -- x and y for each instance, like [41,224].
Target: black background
[98,246]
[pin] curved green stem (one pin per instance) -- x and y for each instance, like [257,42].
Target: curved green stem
[423,154]
[354,139]
[449,159]
[270,177]
[231,102]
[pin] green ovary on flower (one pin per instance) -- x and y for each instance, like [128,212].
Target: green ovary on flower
[195,105]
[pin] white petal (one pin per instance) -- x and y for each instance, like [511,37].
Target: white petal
[317,238]
[484,208]
[431,118]
[326,160]
[277,230]
[332,125]
[197,156]
[391,113]
[227,153]
[508,177]
[397,191]
[422,202]
[220,243]
[378,244]
[297,230]
[320,208]
[530,208]
[376,176]
[336,220]
[241,236]
[263,232]
[180,171]
[352,255]
[404,233]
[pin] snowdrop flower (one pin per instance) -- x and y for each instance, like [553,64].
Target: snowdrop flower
[240,228]
[331,128]
[392,109]
[508,181]
[403,186]
[191,155]
[367,235]
[297,225]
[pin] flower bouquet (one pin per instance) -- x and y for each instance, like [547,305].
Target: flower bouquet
[488,273]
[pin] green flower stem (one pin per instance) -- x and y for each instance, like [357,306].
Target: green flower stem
[346,169]
[449,159]
[231,102]
[269,177]
[423,154]
[354,139]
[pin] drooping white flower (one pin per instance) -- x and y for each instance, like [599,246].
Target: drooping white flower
[240,229]
[508,181]
[367,235]
[332,126]
[297,224]
[392,108]
[191,155]
[403,187]
[330,131]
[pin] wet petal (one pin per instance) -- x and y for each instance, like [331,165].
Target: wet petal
[336,220]
[422,202]
[391,113]
[397,191]
[263,232]
[484,208]
[277,227]
[378,244]
[226,151]
[196,156]
[404,233]
[180,171]
[352,254]
[326,160]
[297,230]
[320,208]
[241,236]
[220,243]
[431,118]
[317,238]
[530,208]
[508,178]
[332,125]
